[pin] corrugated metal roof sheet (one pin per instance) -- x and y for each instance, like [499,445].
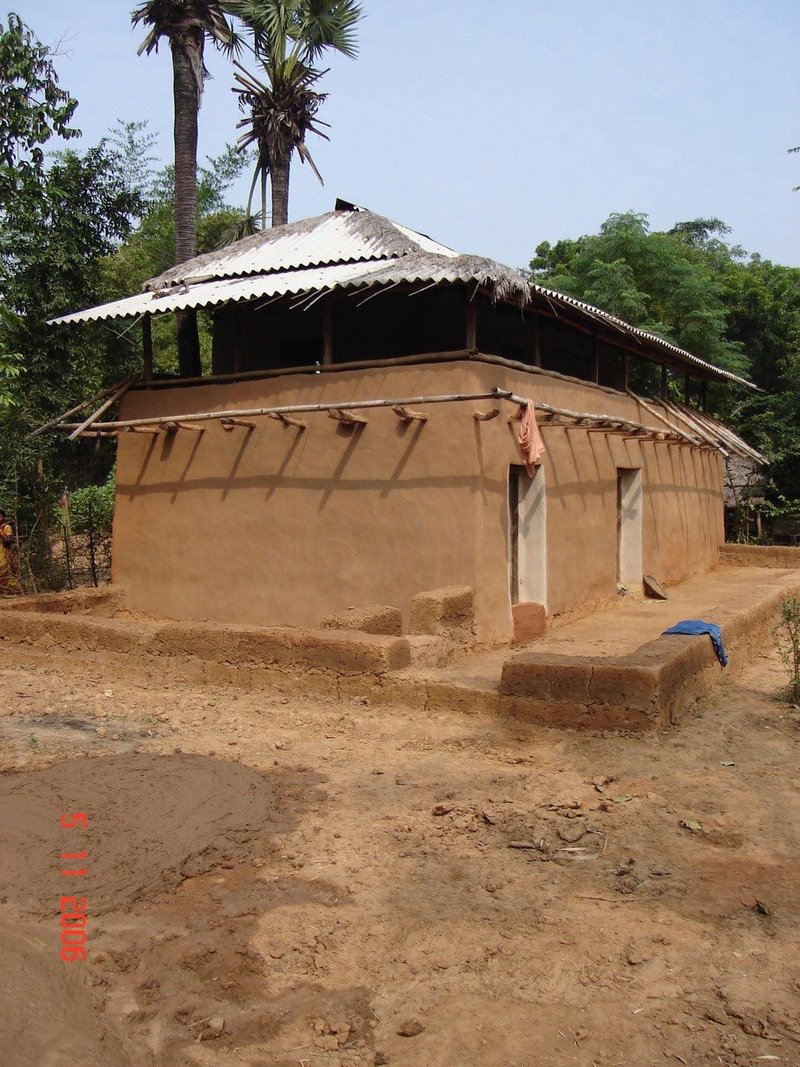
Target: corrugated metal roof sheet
[634,331]
[349,249]
[337,237]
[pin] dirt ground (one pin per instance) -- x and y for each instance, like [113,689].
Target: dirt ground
[281,882]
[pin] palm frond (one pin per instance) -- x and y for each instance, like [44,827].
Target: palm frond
[330,24]
[180,18]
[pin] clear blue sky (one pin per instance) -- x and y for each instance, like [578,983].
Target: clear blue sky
[493,127]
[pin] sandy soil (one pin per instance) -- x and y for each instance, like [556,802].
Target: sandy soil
[283,882]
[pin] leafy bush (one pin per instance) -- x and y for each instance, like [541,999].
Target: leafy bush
[91,507]
[787,638]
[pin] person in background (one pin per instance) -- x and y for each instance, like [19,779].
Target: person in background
[9,582]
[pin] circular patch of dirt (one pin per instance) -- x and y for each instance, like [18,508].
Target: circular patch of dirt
[152,821]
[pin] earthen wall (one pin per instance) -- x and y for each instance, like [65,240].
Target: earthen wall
[279,526]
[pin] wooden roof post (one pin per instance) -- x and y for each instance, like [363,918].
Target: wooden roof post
[327,331]
[596,360]
[663,381]
[625,370]
[704,396]
[147,346]
[537,343]
[472,325]
[687,389]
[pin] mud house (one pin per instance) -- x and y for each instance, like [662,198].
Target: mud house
[356,442]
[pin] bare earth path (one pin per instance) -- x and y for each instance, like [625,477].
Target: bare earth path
[284,883]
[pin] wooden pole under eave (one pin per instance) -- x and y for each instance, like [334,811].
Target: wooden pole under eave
[596,360]
[472,325]
[625,371]
[537,343]
[663,381]
[704,396]
[687,389]
[327,332]
[147,346]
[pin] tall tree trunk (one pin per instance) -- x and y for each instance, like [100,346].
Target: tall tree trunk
[187,66]
[279,177]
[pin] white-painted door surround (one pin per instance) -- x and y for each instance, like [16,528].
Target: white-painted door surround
[629,526]
[528,535]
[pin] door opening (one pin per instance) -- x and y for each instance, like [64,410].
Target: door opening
[527,506]
[629,526]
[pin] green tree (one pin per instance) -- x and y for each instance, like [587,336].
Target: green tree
[51,261]
[289,37]
[148,251]
[667,283]
[693,288]
[33,107]
[186,24]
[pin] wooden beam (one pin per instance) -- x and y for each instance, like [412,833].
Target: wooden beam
[596,360]
[407,415]
[327,332]
[687,389]
[625,370]
[228,424]
[172,426]
[663,382]
[348,418]
[537,342]
[656,415]
[287,420]
[84,404]
[93,418]
[147,346]
[472,325]
[486,416]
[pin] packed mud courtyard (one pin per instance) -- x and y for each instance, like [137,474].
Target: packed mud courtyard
[277,881]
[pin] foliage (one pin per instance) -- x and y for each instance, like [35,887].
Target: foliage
[59,218]
[51,261]
[33,107]
[288,37]
[186,24]
[178,20]
[90,508]
[661,282]
[787,640]
[150,249]
[690,286]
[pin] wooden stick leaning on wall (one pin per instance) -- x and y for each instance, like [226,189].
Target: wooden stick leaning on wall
[94,417]
[84,404]
[656,415]
[682,417]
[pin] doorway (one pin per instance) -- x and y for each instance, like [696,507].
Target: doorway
[629,526]
[527,508]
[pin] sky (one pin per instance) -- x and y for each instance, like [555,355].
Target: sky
[495,127]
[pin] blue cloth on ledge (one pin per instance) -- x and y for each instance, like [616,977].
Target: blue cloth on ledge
[694,627]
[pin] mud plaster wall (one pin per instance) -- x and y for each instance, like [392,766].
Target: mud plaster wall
[277,526]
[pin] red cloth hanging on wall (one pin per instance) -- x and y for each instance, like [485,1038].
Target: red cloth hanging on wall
[531,444]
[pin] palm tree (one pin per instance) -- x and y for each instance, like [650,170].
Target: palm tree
[186,24]
[289,37]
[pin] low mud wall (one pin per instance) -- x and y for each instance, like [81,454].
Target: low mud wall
[220,654]
[648,688]
[777,556]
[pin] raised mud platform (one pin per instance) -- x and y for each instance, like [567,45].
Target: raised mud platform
[608,671]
